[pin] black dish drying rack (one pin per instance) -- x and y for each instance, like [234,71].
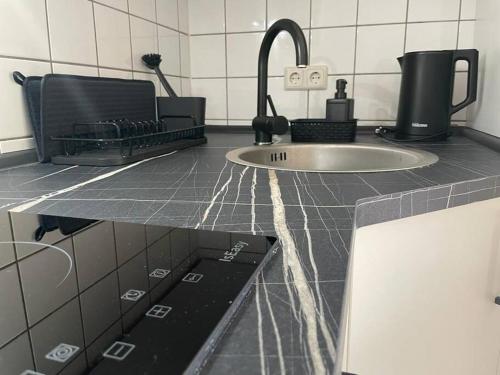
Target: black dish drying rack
[123,141]
[100,121]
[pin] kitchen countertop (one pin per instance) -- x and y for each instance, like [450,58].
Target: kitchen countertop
[290,323]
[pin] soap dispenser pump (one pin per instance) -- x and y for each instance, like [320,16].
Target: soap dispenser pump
[340,108]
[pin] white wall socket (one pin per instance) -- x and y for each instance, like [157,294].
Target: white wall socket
[316,77]
[312,77]
[294,78]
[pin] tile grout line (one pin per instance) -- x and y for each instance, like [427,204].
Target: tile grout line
[225,62]
[48,36]
[122,314]
[136,16]
[79,302]
[95,39]
[458,23]
[355,50]
[406,25]
[158,39]
[180,46]
[23,298]
[130,39]
[84,65]
[308,92]
[335,27]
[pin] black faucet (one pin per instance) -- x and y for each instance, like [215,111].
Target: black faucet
[265,126]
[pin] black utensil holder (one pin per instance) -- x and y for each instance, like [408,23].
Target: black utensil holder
[179,112]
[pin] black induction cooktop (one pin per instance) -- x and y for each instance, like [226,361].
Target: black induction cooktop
[83,296]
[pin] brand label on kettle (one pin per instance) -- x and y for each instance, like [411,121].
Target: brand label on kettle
[419,125]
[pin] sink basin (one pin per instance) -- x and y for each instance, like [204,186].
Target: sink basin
[338,158]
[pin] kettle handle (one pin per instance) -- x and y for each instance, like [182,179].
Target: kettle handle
[472,57]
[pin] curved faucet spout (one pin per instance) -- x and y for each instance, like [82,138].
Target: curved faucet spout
[299,40]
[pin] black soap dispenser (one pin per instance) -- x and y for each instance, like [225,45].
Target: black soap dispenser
[340,108]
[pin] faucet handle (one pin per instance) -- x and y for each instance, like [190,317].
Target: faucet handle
[271,104]
[270,124]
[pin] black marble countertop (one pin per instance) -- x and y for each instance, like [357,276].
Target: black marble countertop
[290,323]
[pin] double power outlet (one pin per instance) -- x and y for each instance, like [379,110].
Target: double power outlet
[311,77]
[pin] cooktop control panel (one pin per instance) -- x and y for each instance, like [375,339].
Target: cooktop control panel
[94,297]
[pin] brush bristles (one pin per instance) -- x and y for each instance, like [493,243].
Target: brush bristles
[151,60]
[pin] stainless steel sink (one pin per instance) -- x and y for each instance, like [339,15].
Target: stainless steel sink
[338,158]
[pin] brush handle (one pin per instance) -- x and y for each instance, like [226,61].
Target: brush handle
[166,86]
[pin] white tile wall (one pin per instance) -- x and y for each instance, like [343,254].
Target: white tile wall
[468,10]
[144,40]
[167,13]
[242,54]
[242,98]
[186,86]
[112,73]
[377,48]
[183,9]
[359,40]
[433,10]
[113,37]
[376,96]
[24,25]
[283,53]
[185,56]
[71,30]
[208,55]
[14,145]
[206,16]
[328,13]
[169,48]
[381,11]
[117,4]
[99,38]
[431,35]
[215,92]
[334,47]
[143,8]
[15,122]
[79,70]
[297,10]
[244,15]
[466,34]
[292,104]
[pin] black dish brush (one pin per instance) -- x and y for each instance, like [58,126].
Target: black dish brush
[152,61]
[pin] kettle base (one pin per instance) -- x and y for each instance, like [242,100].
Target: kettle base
[398,136]
[442,136]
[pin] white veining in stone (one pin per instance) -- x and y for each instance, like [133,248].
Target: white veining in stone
[242,174]
[180,180]
[307,302]
[214,197]
[225,189]
[47,175]
[275,328]
[34,201]
[259,329]
[312,196]
[321,314]
[254,184]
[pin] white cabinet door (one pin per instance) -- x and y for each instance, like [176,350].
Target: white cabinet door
[422,294]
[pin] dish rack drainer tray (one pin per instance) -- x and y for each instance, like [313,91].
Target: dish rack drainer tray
[102,121]
[117,142]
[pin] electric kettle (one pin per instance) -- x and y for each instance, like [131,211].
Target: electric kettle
[426,96]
